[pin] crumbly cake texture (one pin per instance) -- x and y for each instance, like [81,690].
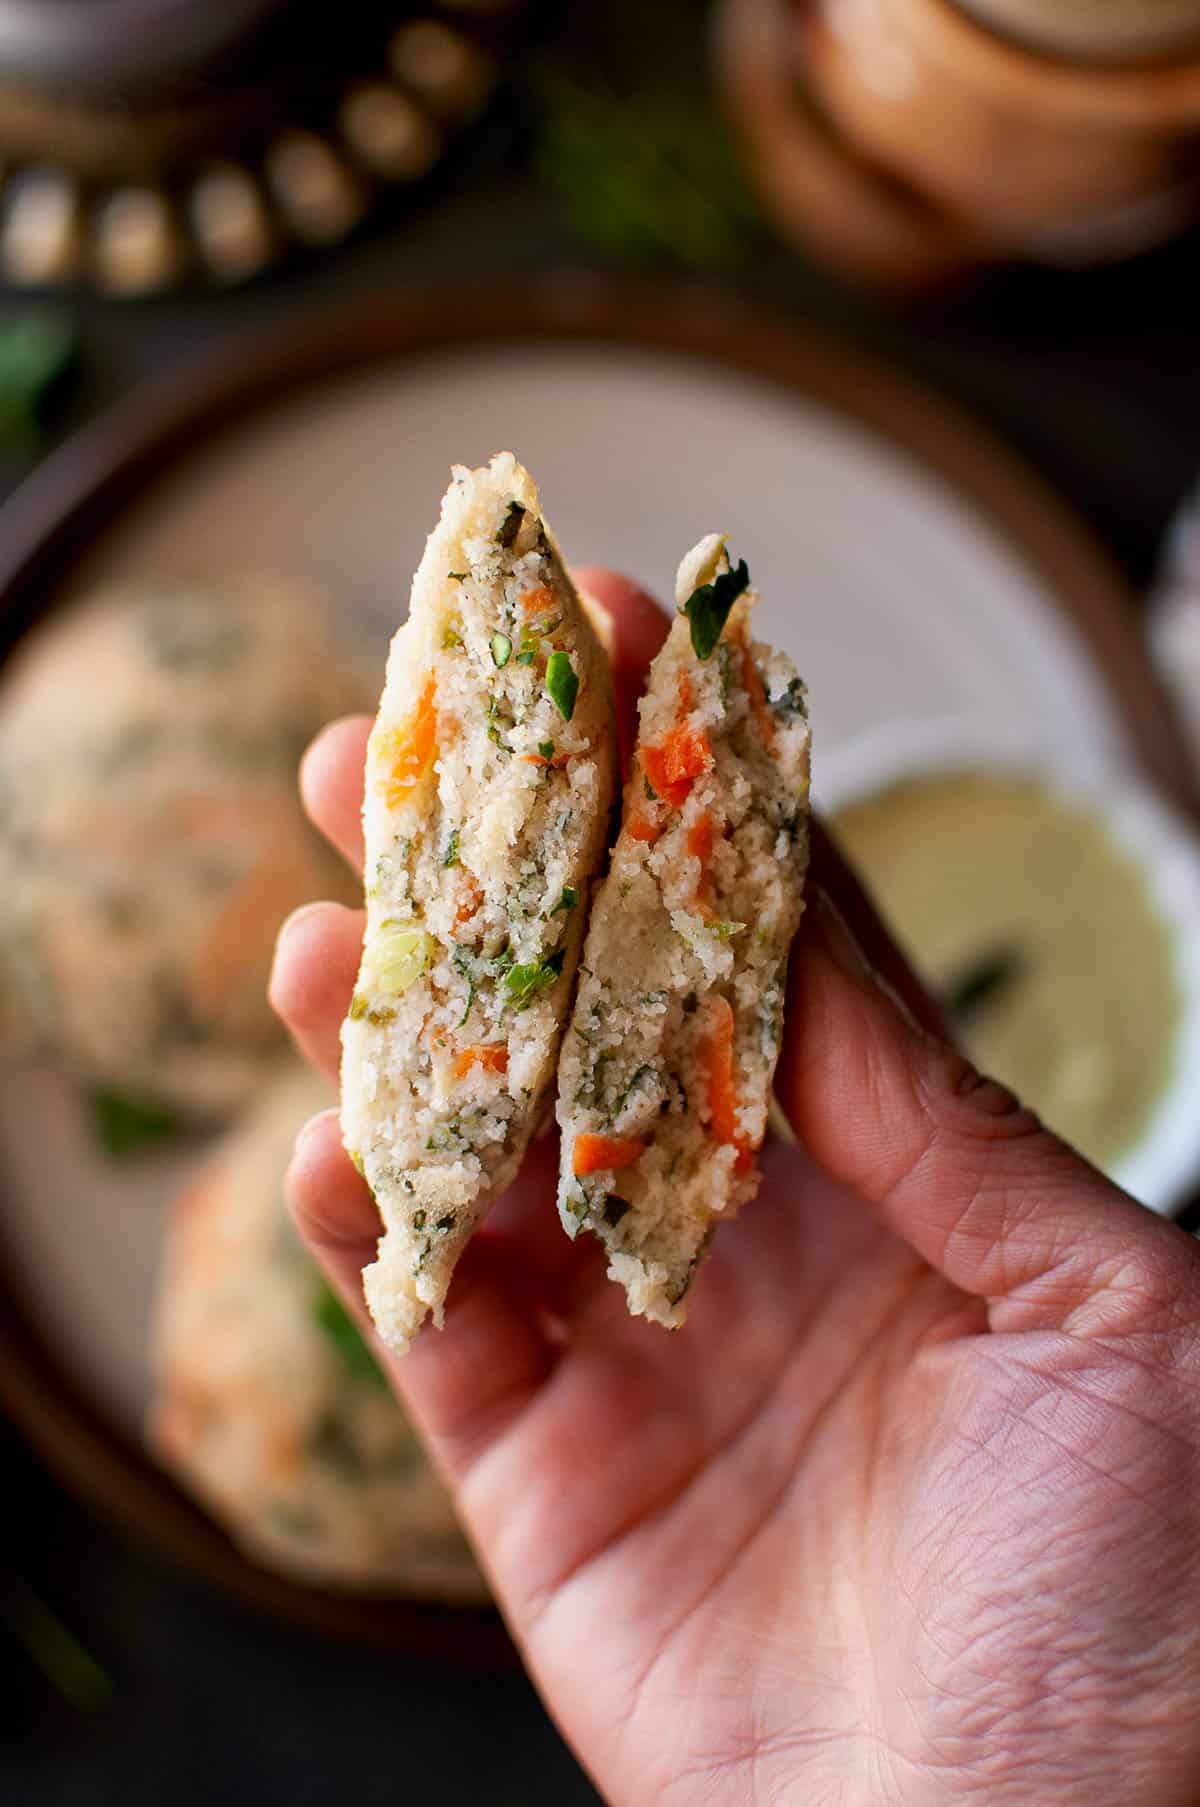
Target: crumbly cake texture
[667,1066]
[151,836]
[490,780]
[269,1405]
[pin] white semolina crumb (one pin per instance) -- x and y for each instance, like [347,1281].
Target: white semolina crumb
[666,1070]
[268,1403]
[490,777]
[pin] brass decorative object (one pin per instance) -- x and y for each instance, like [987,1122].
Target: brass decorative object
[145,143]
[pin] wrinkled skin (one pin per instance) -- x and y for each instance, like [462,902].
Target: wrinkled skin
[910,1509]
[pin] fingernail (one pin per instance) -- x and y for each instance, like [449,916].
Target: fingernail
[831,928]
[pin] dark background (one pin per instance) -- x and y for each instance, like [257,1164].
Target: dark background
[1094,377]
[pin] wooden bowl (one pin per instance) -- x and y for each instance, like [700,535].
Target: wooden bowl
[909,145]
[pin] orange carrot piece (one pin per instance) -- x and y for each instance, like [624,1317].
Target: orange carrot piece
[700,839]
[753,686]
[604,1154]
[556,764]
[722,1097]
[674,765]
[410,748]
[470,896]
[642,828]
[491,1056]
[536,599]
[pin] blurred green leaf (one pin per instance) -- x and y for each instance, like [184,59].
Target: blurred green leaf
[52,1647]
[125,1125]
[332,1317]
[37,352]
[650,176]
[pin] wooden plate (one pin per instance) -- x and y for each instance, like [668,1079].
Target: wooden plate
[911,563]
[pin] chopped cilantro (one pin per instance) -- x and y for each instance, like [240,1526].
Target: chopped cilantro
[562,685]
[331,1316]
[125,1125]
[615,1209]
[510,526]
[568,900]
[707,608]
[501,650]
[451,637]
[451,858]
[459,577]
[523,983]
[628,1090]
[546,749]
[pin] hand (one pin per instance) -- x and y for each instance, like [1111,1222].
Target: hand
[909,1511]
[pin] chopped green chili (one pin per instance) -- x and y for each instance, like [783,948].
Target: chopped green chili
[562,685]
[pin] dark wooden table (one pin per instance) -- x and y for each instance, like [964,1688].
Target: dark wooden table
[1096,379]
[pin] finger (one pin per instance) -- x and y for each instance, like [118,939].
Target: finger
[312,979]
[331,784]
[951,1162]
[640,625]
[831,871]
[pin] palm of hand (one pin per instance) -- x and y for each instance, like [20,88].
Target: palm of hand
[861,1551]
[909,1509]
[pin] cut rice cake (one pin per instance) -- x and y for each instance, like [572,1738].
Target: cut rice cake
[490,780]
[667,1067]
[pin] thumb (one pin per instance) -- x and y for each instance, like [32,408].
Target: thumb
[951,1161]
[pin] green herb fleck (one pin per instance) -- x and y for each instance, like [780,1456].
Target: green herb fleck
[546,749]
[451,858]
[568,900]
[462,962]
[510,526]
[707,608]
[615,1209]
[501,650]
[725,931]
[651,793]
[450,637]
[445,1223]
[562,685]
[977,985]
[458,577]
[527,655]
[126,1126]
[630,1088]
[331,1316]
[523,983]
